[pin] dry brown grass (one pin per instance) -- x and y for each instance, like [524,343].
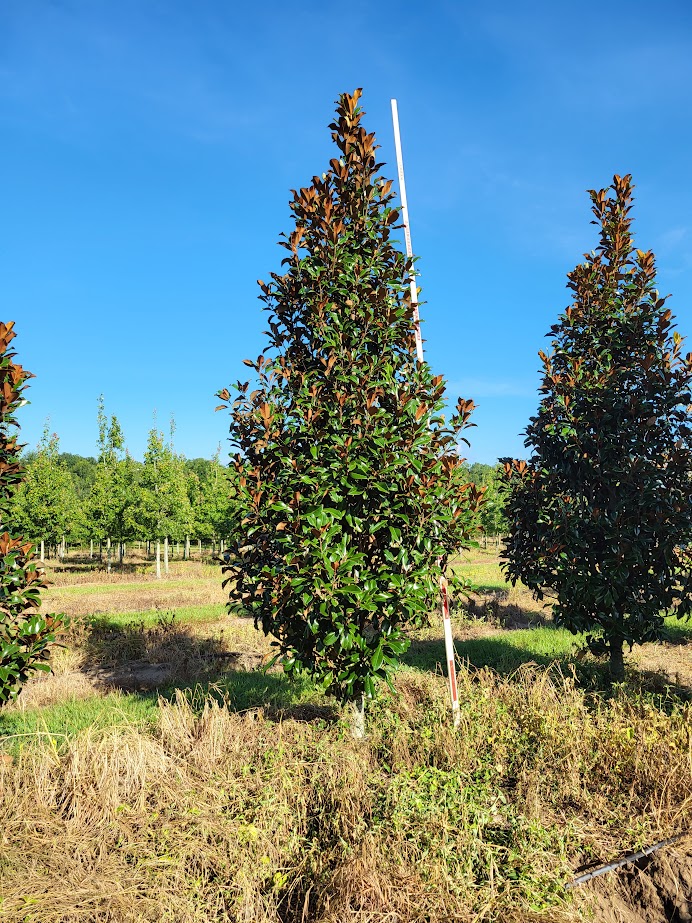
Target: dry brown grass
[218,816]
[278,816]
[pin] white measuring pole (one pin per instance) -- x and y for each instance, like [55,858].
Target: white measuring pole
[446,620]
[407,230]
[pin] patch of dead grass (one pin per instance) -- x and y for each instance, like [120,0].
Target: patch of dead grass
[224,816]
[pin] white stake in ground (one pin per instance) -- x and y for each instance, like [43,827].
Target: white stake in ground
[447,622]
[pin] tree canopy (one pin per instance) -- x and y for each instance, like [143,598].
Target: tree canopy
[600,516]
[349,476]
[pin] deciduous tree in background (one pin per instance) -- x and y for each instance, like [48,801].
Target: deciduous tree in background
[112,509]
[216,507]
[165,507]
[601,515]
[24,634]
[349,476]
[45,506]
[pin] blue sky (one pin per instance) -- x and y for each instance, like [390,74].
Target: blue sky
[149,149]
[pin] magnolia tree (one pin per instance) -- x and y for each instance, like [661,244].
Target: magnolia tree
[348,475]
[24,634]
[600,517]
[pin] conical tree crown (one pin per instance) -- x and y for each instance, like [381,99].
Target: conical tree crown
[349,475]
[600,512]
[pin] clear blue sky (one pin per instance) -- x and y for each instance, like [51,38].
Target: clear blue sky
[148,150]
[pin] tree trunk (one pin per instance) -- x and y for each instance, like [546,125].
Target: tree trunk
[158,559]
[108,555]
[165,555]
[43,550]
[122,552]
[199,542]
[91,548]
[358,725]
[186,552]
[617,661]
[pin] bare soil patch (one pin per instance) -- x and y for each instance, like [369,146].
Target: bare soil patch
[657,889]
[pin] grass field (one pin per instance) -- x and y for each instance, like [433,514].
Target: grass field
[182,782]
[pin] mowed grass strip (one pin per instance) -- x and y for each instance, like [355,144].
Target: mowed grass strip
[134,596]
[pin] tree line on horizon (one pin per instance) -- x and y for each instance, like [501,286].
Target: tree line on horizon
[109,500]
[112,499]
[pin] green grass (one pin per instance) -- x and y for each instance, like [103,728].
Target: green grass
[61,722]
[91,589]
[504,652]
[148,618]
[483,576]
[679,630]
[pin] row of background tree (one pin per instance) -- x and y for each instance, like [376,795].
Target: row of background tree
[112,499]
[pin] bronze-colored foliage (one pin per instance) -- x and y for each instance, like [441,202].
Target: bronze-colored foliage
[353,490]
[24,635]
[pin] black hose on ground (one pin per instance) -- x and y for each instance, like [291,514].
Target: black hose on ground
[632,857]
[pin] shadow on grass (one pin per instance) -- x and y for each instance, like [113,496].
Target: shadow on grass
[546,647]
[495,651]
[87,566]
[495,608]
[679,631]
[148,661]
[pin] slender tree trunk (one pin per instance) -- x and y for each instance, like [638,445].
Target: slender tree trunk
[222,543]
[165,555]
[108,555]
[91,549]
[358,726]
[43,550]
[199,542]
[158,559]
[186,552]
[617,661]
[122,552]
[100,551]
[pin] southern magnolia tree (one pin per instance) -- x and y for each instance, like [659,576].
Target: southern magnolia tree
[24,634]
[600,516]
[349,478]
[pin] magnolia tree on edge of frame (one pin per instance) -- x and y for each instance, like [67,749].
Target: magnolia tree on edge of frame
[600,517]
[25,635]
[352,488]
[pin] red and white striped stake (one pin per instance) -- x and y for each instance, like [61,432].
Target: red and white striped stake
[446,620]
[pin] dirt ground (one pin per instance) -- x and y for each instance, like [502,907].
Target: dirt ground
[657,889]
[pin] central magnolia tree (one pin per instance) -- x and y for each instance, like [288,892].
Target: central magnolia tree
[349,477]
